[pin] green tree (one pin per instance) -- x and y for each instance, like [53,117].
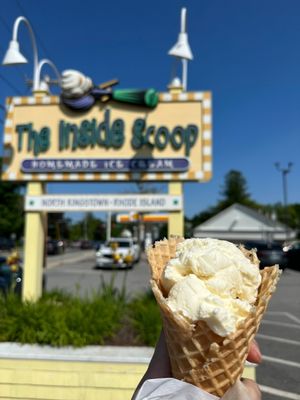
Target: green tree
[11,208]
[234,190]
[58,226]
[75,231]
[289,215]
[94,227]
[88,227]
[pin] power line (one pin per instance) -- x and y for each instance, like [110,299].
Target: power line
[36,34]
[13,87]
[7,27]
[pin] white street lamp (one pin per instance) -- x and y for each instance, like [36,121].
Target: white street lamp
[13,56]
[181,49]
[43,85]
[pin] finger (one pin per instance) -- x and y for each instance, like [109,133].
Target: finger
[252,388]
[254,354]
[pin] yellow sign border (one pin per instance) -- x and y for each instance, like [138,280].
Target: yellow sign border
[40,99]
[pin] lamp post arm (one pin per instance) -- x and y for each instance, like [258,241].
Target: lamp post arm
[34,46]
[43,62]
[183,20]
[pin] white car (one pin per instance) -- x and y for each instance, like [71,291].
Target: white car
[137,250]
[116,253]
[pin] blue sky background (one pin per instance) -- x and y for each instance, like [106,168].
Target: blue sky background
[246,52]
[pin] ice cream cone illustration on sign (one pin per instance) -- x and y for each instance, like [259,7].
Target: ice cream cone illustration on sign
[79,92]
[212,297]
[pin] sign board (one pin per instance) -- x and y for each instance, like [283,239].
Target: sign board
[46,141]
[109,202]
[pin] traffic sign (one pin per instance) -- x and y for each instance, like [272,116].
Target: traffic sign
[108,202]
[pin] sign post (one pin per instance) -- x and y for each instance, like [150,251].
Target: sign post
[176,219]
[35,231]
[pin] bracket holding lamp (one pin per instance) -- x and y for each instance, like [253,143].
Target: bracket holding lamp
[13,56]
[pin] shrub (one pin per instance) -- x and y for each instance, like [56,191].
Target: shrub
[145,318]
[60,319]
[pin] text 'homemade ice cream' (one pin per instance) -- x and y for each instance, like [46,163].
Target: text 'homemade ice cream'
[211,280]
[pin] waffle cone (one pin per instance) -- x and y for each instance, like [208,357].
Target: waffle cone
[197,354]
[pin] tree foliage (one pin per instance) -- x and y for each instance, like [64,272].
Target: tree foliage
[11,208]
[58,225]
[234,190]
[89,227]
[289,215]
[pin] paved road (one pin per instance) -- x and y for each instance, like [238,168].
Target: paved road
[279,373]
[279,339]
[75,272]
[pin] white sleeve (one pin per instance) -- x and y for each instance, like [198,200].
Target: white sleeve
[171,389]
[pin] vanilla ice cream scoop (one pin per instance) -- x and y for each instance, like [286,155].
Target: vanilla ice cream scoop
[211,280]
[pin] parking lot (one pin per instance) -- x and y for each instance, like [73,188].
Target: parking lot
[279,373]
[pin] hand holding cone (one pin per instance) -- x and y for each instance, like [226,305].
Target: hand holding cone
[197,354]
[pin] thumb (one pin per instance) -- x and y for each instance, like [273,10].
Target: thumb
[252,388]
[243,390]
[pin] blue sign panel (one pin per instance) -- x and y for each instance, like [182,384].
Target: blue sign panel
[60,165]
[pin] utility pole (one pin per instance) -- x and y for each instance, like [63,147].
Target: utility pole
[108,226]
[284,172]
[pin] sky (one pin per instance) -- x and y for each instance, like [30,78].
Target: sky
[247,53]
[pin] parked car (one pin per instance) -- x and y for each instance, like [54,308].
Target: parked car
[292,251]
[97,244]
[269,253]
[55,246]
[116,253]
[10,277]
[6,244]
[87,244]
[137,250]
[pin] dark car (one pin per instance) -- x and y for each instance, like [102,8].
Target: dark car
[269,253]
[6,244]
[87,245]
[292,251]
[55,246]
[10,279]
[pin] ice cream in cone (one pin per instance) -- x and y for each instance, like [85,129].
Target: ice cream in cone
[212,298]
